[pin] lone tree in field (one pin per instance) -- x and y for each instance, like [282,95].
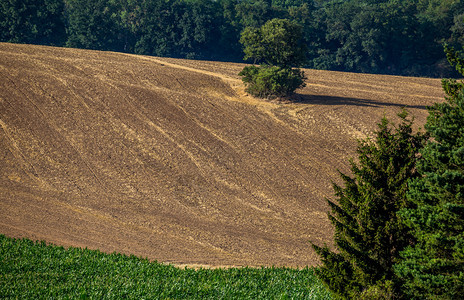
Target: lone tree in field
[277,45]
[368,233]
[433,268]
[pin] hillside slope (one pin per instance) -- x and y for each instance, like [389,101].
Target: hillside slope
[169,159]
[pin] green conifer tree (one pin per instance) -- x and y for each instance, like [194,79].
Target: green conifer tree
[368,234]
[433,268]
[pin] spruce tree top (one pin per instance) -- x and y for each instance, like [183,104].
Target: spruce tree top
[368,233]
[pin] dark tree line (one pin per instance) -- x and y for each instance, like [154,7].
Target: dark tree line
[391,37]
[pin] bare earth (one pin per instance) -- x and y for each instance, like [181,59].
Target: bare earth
[170,160]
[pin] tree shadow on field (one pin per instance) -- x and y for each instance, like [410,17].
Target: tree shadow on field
[335,100]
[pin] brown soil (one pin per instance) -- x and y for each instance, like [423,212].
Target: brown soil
[169,159]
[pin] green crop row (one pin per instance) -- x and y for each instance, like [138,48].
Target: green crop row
[35,270]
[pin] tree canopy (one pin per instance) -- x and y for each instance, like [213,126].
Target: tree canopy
[278,45]
[390,36]
[399,221]
[32,21]
[433,267]
[368,233]
[278,42]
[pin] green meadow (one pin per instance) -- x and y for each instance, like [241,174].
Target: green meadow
[35,270]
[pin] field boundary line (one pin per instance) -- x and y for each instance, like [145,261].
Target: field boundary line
[177,66]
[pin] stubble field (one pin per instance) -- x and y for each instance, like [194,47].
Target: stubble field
[169,159]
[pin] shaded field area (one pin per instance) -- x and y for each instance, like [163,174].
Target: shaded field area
[169,159]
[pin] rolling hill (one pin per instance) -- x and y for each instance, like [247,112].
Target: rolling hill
[169,159]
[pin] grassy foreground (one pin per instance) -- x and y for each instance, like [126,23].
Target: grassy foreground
[35,270]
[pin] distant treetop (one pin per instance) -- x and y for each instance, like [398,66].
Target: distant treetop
[389,36]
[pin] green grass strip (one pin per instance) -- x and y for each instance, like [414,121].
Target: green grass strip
[34,270]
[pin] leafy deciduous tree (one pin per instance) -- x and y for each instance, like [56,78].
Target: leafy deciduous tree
[270,81]
[32,21]
[278,44]
[91,25]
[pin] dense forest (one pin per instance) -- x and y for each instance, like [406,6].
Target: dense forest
[403,37]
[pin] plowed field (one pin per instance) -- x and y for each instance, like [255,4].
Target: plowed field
[169,159]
